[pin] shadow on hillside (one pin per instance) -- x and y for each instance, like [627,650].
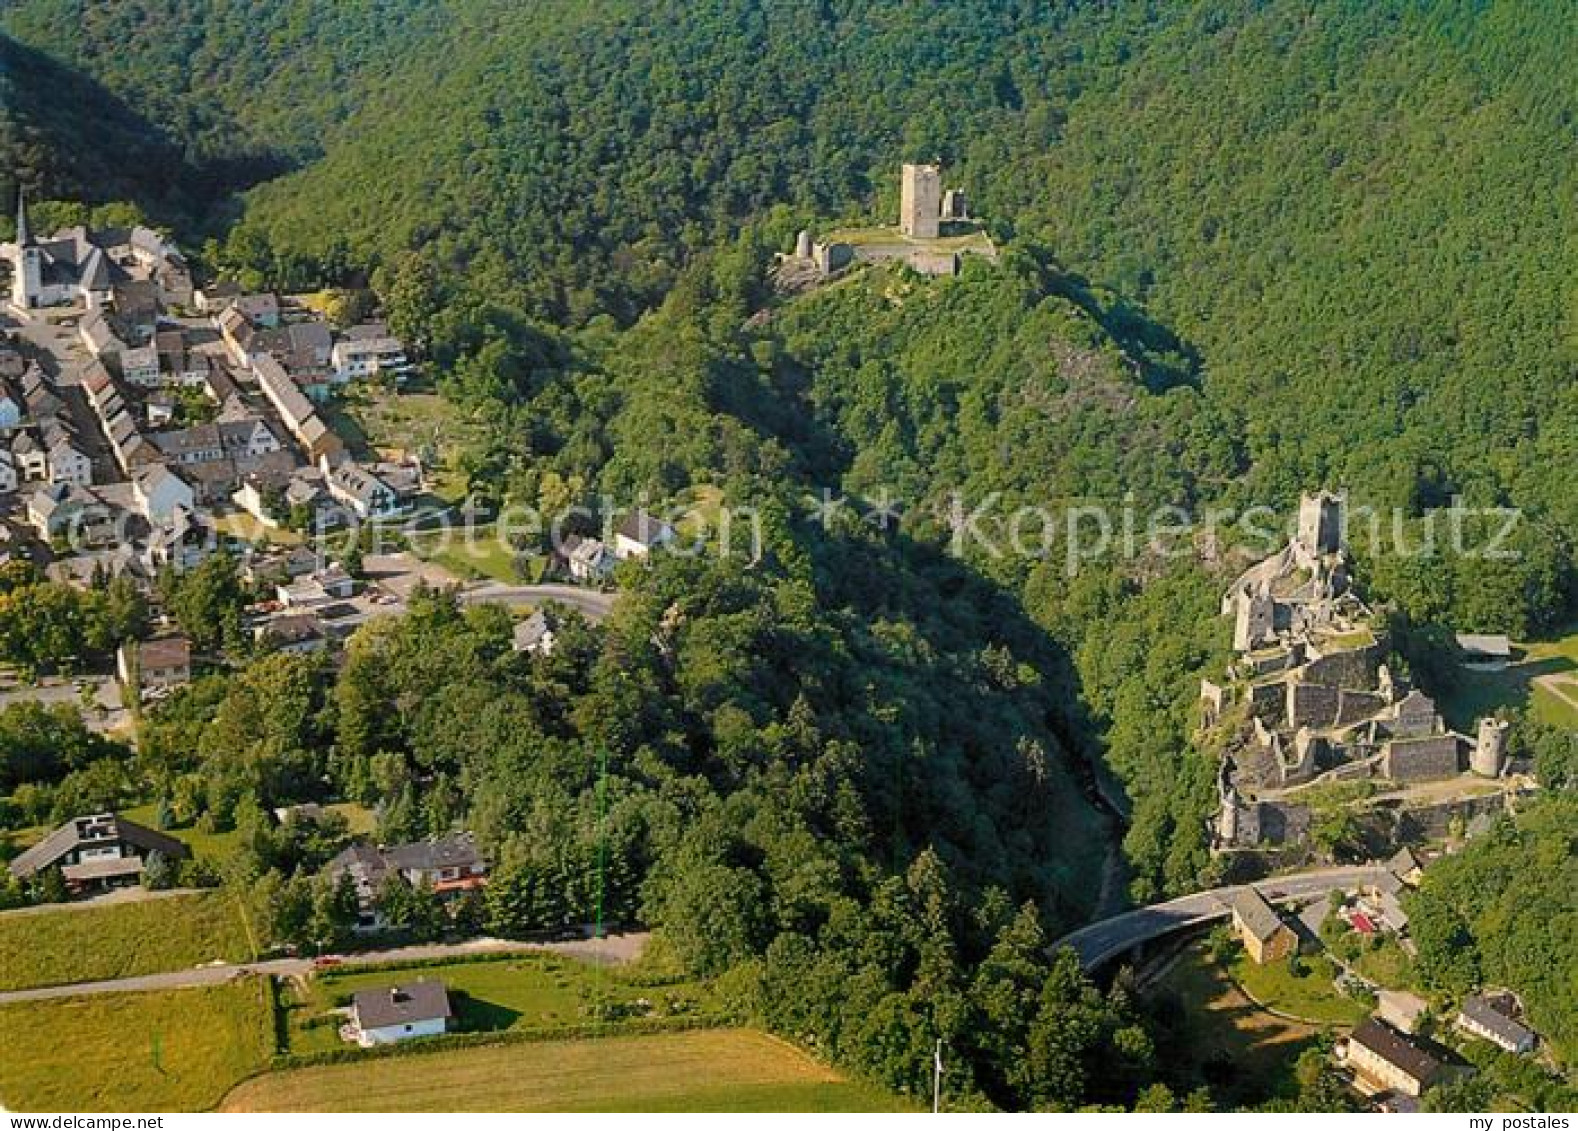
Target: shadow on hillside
[69,136]
[1165,360]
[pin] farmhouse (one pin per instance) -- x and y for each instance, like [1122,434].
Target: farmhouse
[400,1013]
[1385,1060]
[1260,928]
[96,853]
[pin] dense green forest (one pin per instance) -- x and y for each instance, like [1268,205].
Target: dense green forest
[1250,249]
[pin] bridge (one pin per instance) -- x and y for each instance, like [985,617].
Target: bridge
[1099,943]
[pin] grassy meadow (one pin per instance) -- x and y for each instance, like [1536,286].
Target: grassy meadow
[180,1050]
[702,1070]
[51,947]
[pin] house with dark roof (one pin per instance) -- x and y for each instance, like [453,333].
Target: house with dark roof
[1490,1019]
[1384,1060]
[400,1013]
[639,534]
[96,853]
[1258,925]
[449,865]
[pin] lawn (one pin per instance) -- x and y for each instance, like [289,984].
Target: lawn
[120,940]
[705,1070]
[214,847]
[1309,995]
[1545,680]
[176,1051]
[521,992]
[482,554]
[1242,1053]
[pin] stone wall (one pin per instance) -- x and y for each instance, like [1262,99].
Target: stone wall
[1356,669]
[1311,705]
[1422,759]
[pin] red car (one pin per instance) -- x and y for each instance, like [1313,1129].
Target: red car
[324,961]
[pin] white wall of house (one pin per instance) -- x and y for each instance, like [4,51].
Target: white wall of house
[392,1033]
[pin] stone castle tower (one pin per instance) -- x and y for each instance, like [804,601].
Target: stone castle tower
[27,265]
[920,201]
[1490,748]
[1320,525]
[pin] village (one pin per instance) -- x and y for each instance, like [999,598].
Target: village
[147,423]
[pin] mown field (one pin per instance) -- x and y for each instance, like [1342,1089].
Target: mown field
[180,1050]
[704,1070]
[120,940]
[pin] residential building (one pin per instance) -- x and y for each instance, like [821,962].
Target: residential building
[299,634]
[366,351]
[536,633]
[69,464]
[9,480]
[449,865]
[140,367]
[1491,1019]
[160,492]
[1260,928]
[639,534]
[95,853]
[400,1013]
[363,493]
[1383,1059]
[156,665]
[587,559]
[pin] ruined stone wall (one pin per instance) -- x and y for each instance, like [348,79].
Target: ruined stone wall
[1422,759]
[1356,669]
[1356,706]
[1311,705]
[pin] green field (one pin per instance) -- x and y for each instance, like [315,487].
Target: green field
[522,992]
[1242,1053]
[176,1051]
[702,1070]
[1545,680]
[480,555]
[88,944]
[1308,996]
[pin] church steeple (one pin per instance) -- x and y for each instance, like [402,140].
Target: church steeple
[23,236]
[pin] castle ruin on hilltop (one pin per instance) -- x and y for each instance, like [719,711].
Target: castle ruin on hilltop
[1310,701]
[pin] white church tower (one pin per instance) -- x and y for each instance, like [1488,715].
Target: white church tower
[27,264]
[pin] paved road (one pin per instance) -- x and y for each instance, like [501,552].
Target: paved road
[1105,940]
[615,950]
[593,604]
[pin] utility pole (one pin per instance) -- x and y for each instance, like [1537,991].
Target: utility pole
[936,1079]
[602,838]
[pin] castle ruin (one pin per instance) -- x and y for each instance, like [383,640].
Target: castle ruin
[1310,701]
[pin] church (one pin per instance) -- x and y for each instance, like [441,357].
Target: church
[75,266]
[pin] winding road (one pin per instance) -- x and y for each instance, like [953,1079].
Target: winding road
[1102,941]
